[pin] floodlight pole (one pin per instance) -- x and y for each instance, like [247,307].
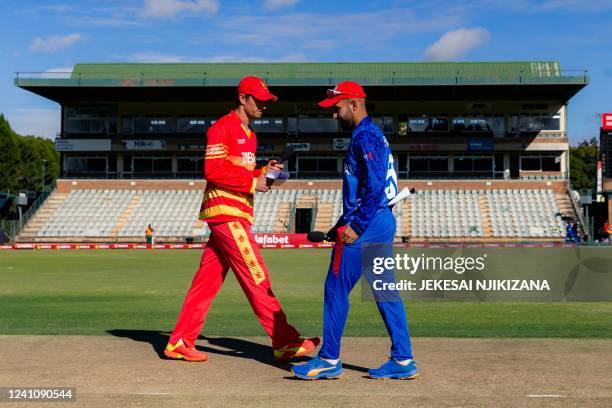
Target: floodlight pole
[43,177]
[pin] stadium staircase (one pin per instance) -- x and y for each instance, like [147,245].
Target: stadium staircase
[283,216]
[123,218]
[325,213]
[40,218]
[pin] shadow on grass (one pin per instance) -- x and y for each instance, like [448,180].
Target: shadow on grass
[224,346]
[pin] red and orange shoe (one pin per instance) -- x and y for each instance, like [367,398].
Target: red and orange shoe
[297,348]
[179,351]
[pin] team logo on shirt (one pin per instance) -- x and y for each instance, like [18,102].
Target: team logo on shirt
[241,141]
[248,158]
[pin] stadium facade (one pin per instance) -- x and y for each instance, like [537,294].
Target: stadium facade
[477,125]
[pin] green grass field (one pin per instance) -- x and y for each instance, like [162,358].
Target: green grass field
[91,292]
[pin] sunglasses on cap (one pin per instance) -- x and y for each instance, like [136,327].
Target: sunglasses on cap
[332,93]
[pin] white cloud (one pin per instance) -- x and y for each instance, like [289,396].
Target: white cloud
[277,4]
[545,6]
[54,43]
[150,56]
[169,8]
[299,31]
[290,57]
[455,44]
[42,122]
[154,57]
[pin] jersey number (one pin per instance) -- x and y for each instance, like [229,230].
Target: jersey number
[391,190]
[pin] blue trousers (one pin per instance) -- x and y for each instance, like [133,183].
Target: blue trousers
[345,269]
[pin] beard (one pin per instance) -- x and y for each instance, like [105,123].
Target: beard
[344,125]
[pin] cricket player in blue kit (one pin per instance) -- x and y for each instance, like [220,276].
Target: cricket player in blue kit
[365,229]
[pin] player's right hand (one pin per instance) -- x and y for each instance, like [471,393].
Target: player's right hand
[262,184]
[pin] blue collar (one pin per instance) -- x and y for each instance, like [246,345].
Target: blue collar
[364,122]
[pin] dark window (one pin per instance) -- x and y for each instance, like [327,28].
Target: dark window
[268,125]
[192,125]
[127,125]
[86,164]
[551,122]
[308,164]
[530,163]
[438,164]
[87,126]
[189,164]
[463,164]
[143,164]
[127,163]
[318,125]
[419,164]
[314,164]
[328,165]
[537,122]
[76,164]
[417,124]
[499,162]
[98,165]
[483,164]
[385,123]
[152,125]
[428,124]
[551,163]
[162,165]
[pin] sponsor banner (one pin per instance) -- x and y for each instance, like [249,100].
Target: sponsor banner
[83,145]
[287,240]
[341,143]
[606,121]
[193,147]
[480,145]
[279,241]
[145,144]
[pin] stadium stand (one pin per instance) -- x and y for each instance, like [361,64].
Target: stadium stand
[117,211]
[485,144]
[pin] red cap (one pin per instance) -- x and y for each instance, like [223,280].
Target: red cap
[344,90]
[255,87]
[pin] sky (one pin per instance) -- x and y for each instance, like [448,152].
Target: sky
[52,36]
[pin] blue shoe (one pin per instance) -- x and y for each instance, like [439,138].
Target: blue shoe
[316,369]
[395,370]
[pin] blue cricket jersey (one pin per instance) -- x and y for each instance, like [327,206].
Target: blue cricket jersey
[369,178]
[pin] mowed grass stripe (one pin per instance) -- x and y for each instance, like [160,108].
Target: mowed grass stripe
[92,292]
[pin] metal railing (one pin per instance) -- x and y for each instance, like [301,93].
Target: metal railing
[390,78]
[584,222]
[10,228]
[291,216]
[35,206]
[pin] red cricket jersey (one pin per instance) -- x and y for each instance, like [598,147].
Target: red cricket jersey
[229,170]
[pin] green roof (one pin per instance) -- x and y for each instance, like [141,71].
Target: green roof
[312,74]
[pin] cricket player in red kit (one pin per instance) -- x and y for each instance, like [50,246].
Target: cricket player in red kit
[232,179]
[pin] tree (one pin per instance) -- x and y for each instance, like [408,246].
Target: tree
[21,160]
[583,165]
[10,157]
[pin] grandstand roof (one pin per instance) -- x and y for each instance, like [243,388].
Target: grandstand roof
[308,75]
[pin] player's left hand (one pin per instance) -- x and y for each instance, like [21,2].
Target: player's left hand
[275,165]
[348,235]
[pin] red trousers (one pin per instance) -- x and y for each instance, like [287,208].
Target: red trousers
[232,245]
